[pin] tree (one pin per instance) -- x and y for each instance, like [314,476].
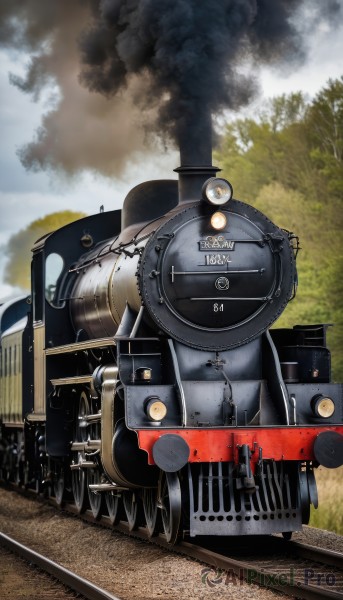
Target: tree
[325,127]
[275,147]
[288,162]
[283,111]
[17,271]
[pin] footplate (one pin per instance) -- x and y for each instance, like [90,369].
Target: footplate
[219,505]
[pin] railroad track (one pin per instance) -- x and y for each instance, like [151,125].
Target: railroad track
[79,585]
[293,568]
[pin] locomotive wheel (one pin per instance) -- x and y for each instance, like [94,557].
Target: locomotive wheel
[93,475]
[113,507]
[151,511]
[19,474]
[170,505]
[78,480]
[59,484]
[19,469]
[305,500]
[95,499]
[130,502]
[78,476]
[42,483]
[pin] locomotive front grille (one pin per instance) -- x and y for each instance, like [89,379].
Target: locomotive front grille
[219,507]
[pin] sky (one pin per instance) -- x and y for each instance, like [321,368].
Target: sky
[26,195]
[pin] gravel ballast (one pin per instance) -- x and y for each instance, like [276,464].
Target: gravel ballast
[127,567]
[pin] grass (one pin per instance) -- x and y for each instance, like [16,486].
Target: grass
[329,514]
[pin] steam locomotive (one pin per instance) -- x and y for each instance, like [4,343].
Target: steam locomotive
[141,377]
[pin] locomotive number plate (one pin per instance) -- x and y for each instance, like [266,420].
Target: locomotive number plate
[217,259]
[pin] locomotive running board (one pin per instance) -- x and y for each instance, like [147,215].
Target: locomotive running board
[81,346]
[219,507]
[77,380]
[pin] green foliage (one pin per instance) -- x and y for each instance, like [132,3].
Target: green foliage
[329,513]
[283,111]
[288,163]
[17,271]
[324,121]
[319,262]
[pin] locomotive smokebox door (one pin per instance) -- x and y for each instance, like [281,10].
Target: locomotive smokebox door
[217,290]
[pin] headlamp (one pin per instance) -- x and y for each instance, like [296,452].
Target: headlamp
[323,406]
[218,220]
[217,191]
[155,409]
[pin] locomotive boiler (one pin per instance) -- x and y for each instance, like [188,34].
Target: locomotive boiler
[141,376]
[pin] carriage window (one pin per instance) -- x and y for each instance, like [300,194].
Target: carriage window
[53,269]
[37,278]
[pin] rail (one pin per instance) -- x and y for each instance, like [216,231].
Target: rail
[277,564]
[71,580]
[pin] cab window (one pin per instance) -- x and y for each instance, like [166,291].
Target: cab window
[53,268]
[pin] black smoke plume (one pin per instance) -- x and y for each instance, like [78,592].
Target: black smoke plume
[168,65]
[189,52]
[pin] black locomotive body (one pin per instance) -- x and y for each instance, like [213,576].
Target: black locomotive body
[141,373]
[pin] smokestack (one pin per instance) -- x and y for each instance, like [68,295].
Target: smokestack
[195,143]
